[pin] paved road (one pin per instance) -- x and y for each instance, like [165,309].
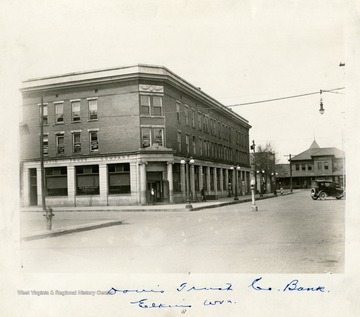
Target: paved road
[289,234]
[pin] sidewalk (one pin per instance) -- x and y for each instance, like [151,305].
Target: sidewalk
[74,219]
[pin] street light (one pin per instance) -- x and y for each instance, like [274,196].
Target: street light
[274,174]
[236,169]
[187,164]
[321,110]
[262,181]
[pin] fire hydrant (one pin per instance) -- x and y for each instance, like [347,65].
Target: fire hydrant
[48,215]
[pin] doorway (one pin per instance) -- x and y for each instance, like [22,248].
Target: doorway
[155,182]
[33,187]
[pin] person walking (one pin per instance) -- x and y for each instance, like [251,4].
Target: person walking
[203,194]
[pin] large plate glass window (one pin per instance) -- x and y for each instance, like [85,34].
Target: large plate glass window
[119,178]
[56,181]
[87,180]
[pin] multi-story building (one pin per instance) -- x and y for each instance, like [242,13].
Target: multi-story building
[110,136]
[313,164]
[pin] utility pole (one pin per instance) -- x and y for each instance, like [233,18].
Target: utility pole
[252,147]
[291,187]
[43,203]
[48,211]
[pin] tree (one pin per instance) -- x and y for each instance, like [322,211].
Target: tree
[265,160]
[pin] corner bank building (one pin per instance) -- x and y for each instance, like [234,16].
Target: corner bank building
[113,136]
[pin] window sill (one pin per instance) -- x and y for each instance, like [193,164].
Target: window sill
[120,195]
[75,122]
[59,123]
[151,116]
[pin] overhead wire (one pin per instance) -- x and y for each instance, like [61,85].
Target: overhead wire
[287,97]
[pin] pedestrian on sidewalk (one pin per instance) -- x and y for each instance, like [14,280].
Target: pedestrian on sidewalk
[203,194]
[152,196]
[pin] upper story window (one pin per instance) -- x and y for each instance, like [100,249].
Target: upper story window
[303,167]
[60,144]
[151,105]
[179,140]
[186,115]
[76,142]
[146,137]
[59,113]
[319,166]
[157,106]
[46,144]
[158,136]
[199,120]
[326,165]
[187,142]
[193,118]
[178,111]
[297,167]
[45,114]
[94,142]
[145,104]
[93,109]
[75,111]
[194,145]
[152,136]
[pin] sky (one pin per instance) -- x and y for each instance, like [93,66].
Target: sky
[236,51]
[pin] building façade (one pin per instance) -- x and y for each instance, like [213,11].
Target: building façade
[112,136]
[315,163]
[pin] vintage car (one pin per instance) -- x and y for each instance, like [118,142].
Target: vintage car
[324,188]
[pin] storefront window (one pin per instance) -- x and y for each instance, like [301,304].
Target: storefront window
[119,178]
[87,180]
[56,181]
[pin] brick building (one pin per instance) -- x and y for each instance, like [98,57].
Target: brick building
[110,136]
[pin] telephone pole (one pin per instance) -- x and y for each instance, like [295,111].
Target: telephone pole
[291,187]
[43,203]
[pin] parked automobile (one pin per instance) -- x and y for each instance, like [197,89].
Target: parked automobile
[324,188]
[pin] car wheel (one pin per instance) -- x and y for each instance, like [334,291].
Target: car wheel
[323,195]
[313,194]
[339,197]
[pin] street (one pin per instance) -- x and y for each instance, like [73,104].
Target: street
[289,234]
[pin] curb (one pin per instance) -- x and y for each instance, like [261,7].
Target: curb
[236,202]
[68,230]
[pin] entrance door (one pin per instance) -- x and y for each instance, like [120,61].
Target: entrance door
[154,181]
[33,187]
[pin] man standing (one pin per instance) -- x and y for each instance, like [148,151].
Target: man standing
[152,196]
